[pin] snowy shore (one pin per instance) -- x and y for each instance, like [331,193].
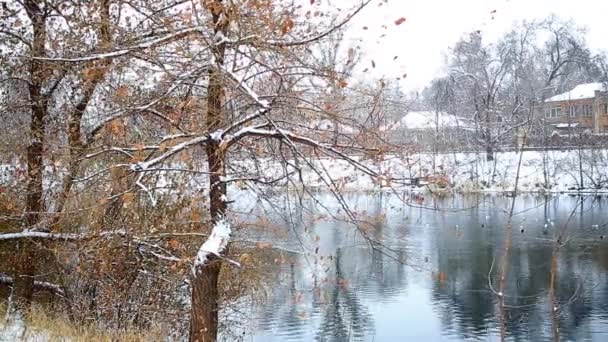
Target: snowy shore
[549,172]
[584,171]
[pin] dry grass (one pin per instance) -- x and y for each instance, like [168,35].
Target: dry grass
[42,327]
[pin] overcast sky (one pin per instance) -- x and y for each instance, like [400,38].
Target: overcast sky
[432,26]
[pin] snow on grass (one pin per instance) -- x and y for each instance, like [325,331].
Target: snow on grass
[11,330]
[14,329]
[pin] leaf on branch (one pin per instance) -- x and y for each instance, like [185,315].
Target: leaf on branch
[174,244]
[128,198]
[245,259]
[139,153]
[213,6]
[92,73]
[116,127]
[342,83]
[122,92]
[195,215]
[287,26]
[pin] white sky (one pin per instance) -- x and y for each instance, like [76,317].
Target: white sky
[434,25]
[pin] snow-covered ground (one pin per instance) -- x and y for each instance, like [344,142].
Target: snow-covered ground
[552,171]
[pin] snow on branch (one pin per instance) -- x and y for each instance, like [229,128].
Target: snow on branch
[241,83]
[124,51]
[56,289]
[214,246]
[288,135]
[264,105]
[40,235]
[144,166]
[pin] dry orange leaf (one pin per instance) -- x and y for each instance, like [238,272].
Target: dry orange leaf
[264,245]
[287,26]
[122,92]
[399,21]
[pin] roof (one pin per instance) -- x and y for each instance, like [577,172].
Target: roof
[428,119]
[581,91]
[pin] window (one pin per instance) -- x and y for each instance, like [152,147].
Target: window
[587,110]
[580,110]
[605,108]
[553,112]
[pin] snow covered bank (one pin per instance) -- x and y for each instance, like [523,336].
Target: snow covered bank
[551,171]
[584,171]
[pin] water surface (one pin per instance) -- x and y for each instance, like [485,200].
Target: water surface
[431,282]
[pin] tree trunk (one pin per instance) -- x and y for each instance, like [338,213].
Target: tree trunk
[26,266]
[205,303]
[489,152]
[205,294]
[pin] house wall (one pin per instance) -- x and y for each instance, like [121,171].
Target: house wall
[597,122]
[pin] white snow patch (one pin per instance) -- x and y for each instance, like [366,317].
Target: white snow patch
[581,91]
[14,328]
[216,135]
[566,125]
[215,244]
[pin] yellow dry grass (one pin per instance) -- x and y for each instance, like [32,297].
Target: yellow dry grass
[43,327]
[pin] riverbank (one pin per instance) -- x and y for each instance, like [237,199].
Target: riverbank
[584,171]
[572,171]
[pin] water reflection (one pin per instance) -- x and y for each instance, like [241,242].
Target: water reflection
[434,285]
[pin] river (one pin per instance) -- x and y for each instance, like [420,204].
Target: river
[434,275]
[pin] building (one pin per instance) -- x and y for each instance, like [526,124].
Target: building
[431,130]
[584,108]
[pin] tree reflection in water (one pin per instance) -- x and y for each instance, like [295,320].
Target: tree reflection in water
[352,293]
